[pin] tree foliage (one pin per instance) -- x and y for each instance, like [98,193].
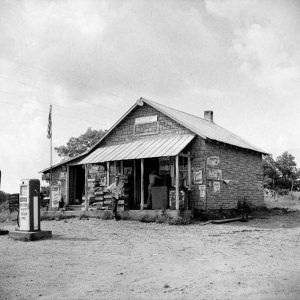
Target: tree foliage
[270,171]
[286,165]
[280,173]
[3,196]
[78,145]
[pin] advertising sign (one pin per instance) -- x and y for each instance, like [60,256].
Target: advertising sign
[213,161]
[217,186]
[214,174]
[198,176]
[24,212]
[202,189]
[55,196]
[149,119]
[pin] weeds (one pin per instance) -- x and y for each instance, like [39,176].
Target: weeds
[166,219]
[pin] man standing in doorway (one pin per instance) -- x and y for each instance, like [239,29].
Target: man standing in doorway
[152,177]
[117,191]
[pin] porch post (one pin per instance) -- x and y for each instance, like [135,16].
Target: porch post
[134,182]
[189,170]
[122,167]
[67,185]
[177,182]
[189,180]
[107,173]
[142,184]
[86,206]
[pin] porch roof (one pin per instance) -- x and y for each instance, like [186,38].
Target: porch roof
[142,148]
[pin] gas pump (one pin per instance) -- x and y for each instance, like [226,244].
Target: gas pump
[29,205]
[29,213]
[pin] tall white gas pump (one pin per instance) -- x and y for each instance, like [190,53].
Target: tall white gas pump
[29,213]
[29,205]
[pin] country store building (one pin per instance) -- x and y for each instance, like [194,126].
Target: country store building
[201,165]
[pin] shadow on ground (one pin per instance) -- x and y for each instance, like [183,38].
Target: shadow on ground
[59,237]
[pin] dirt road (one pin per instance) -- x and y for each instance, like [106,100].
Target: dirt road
[97,259]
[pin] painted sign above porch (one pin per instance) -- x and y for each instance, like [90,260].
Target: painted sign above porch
[149,119]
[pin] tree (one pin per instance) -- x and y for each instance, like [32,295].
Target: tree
[78,145]
[270,172]
[3,196]
[286,166]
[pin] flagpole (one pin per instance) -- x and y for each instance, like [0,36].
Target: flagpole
[50,172]
[50,135]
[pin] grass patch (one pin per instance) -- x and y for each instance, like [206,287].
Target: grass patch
[166,219]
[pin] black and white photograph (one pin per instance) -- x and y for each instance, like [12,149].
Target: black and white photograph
[149,149]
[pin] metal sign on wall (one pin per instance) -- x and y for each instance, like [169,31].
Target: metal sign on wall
[198,176]
[149,119]
[55,195]
[202,189]
[214,174]
[217,186]
[213,161]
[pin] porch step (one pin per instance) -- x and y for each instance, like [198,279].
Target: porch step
[74,207]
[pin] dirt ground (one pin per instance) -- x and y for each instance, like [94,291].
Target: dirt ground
[99,259]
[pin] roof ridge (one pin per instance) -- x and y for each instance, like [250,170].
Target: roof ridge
[189,126]
[181,111]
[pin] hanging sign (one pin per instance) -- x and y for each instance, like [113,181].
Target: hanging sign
[217,186]
[213,161]
[202,189]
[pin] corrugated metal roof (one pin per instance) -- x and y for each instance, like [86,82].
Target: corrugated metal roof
[143,148]
[197,125]
[203,127]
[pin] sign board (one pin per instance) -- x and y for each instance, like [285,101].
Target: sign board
[202,189]
[24,212]
[217,186]
[198,176]
[142,120]
[214,174]
[213,161]
[62,175]
[55,196]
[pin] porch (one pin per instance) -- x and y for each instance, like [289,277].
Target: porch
[169,157]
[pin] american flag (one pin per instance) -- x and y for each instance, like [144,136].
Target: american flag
[49,135]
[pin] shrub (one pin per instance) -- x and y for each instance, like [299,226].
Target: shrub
[147,219]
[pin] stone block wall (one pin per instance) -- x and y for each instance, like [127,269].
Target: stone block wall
[243,169]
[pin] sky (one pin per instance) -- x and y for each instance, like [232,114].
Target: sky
[92,60]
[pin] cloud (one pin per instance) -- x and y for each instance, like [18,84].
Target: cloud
[94,47]
[93,59]
[265,41]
